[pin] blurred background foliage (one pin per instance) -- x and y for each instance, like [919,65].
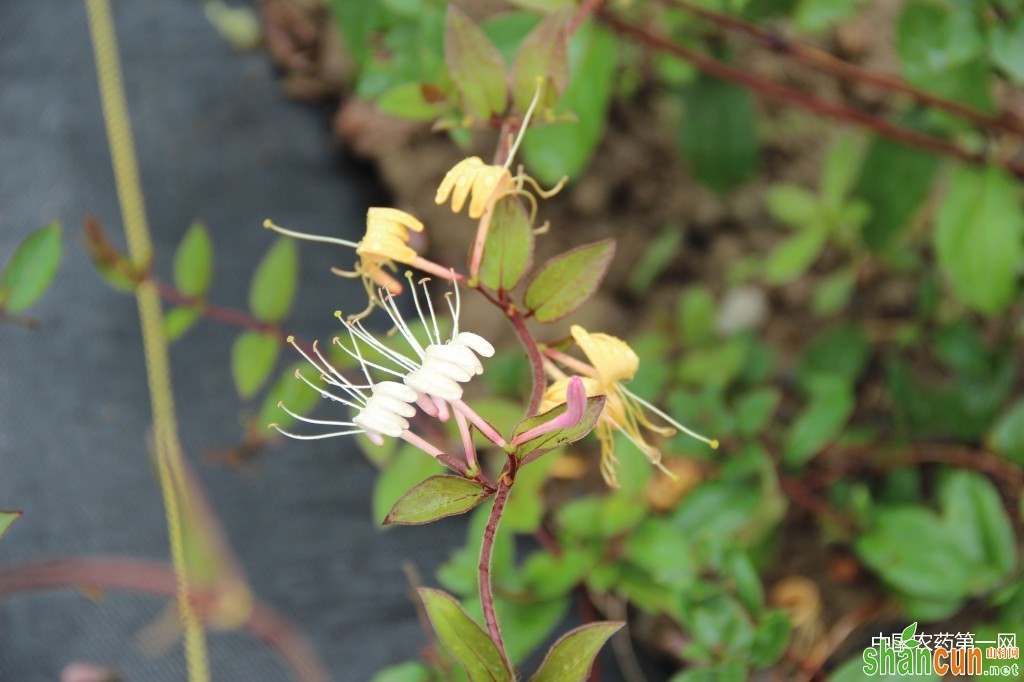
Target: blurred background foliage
[821,244]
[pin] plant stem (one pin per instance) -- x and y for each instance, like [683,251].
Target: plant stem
[484,575]
[772,90]
[825,61]
[536,359]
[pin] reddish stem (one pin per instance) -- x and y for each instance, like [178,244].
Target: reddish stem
[772,90]
[217,313]
[484,575]
[825,61]
[536,360]
[148,577]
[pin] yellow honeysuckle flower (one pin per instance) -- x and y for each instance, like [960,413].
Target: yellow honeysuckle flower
[387,235]
[385,243]
[613,362]
[482,183]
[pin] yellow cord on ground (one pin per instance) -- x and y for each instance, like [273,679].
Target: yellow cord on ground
[133,215]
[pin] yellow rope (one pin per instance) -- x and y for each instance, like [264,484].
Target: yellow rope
[133,214]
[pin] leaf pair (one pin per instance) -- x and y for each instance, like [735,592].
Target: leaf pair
[569,659]
[479,73]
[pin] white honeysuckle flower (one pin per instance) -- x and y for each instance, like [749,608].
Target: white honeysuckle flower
[432,380]
[384,412]
[439,367]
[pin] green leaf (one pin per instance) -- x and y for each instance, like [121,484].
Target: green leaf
[179,320]
[508,250]
[541,5]
[1007,436]
[357,20]
[564,149]
[814,16]
[974,513]
[294,394]
[894,181]
[795,255]
[436,498]
[833,292]
[933,37]
[193,262]
[696,315]
[274,283]
[793,205]
[660,549]
[908,634]
[543,54]
[942,49]
[524,511]
[507,30]
[411,671]
[567,281]
[831,402]
[464,639]
[31,269]
[252,360]
[547,576]
[719,136]
[840,170]
[6,519]
[409,467]
[1007,45]
[842,351]
[572,656]
[408,101]
[475,66]
[535,447]
[771,639]
[658,255]
[979,238]
[754,408]
[905,544]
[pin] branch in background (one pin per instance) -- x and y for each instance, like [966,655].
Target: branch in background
[801,495]
[827,62]
[148,577]
[839,462]
[105,253]
[773,90]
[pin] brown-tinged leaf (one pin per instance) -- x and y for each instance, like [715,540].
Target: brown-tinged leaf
[436,498]
[475,66]
[543,54]
[568,280]
[466,641]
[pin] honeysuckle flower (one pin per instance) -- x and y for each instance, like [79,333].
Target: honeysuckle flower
[613,363]
[440,366]
[385,243]
[485,184]
[385,411]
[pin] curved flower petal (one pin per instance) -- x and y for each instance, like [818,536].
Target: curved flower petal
[387,235]
[612,357]
[485,182]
